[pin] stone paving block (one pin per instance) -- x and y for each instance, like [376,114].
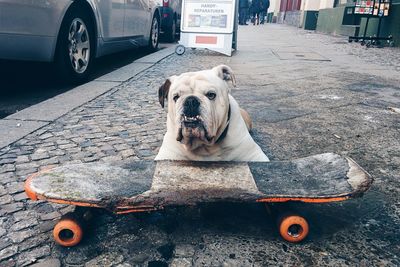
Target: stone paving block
[7,168]
[6,178]
[6,199]
[50,216]
[23,215]
[8,263]
[7,161]
[5,242]
[181,262]
[2,231]
[34,241]
[24,166]
[47,226]
[48,263]
[65,146]
[20,197]
[26,258]
[22,159]
[50,161]
[8,252]
[23,224]
[106,259]
[14,188]
[39,156]
[18,237]
[10,208]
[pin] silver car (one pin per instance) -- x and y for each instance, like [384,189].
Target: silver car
[72,33]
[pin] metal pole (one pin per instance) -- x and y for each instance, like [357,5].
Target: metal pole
[365,29]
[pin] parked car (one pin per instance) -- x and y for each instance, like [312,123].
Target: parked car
[170,18]
[72,33]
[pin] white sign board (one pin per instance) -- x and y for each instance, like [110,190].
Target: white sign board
[205,16]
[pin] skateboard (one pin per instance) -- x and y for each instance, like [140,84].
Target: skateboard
[152,185]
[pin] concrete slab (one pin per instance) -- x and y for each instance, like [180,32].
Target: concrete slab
[12,130]
[59,105]
[300,56]
[124,73]
[156,57]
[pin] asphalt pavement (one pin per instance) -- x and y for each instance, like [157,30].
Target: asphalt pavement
[307,93]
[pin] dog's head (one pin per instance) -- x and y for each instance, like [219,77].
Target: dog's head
[198,105]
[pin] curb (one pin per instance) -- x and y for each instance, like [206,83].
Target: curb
[20,124]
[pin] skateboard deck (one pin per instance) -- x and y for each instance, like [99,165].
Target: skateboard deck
[152,185]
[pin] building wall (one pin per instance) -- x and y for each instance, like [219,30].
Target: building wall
[330,20]
[326,4]
[311,5]
[309,14]
[272,5]
[290,5]
[277,5]
[289,12]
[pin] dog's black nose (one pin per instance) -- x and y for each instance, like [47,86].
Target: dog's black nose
[191,106]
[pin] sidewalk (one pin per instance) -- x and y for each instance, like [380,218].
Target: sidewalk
[306,94]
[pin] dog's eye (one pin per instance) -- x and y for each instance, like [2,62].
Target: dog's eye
[211,95]
[175,98]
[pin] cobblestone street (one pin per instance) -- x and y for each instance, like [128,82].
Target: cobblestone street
[307,94]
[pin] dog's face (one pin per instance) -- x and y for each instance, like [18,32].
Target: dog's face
[198,105]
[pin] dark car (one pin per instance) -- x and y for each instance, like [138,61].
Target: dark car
[170,18]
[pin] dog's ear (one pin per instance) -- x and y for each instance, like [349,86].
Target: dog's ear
[225,73]
[163,91]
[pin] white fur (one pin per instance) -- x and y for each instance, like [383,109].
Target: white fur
[237,145]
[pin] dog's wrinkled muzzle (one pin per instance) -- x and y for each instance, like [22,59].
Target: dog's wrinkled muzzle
[192,126]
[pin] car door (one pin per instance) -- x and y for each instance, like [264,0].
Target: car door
[137,17]
[112,13]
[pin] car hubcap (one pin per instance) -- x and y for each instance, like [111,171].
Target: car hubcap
[79,45]
[154,33]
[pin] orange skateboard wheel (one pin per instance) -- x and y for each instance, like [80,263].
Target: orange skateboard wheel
[28,190]
[68,232]
[293,228]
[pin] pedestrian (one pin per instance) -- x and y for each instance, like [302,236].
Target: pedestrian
[256,8]
[264,10]
[243,9]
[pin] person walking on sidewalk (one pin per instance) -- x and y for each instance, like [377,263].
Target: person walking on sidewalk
[243,9]
[256,8]
[264,11]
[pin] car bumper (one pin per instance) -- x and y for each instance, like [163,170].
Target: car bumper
[26,47]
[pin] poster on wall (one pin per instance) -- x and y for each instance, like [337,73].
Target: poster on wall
[372,7]
[208,16]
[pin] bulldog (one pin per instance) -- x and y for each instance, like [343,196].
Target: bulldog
[204,122]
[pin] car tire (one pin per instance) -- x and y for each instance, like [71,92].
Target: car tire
[154,37]
[75,46]
[170,34]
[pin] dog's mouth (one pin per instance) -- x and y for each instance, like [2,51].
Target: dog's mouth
[191,128]
[191,121]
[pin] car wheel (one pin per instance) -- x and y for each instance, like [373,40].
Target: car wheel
[75,49]
[171,33]
[154,34]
